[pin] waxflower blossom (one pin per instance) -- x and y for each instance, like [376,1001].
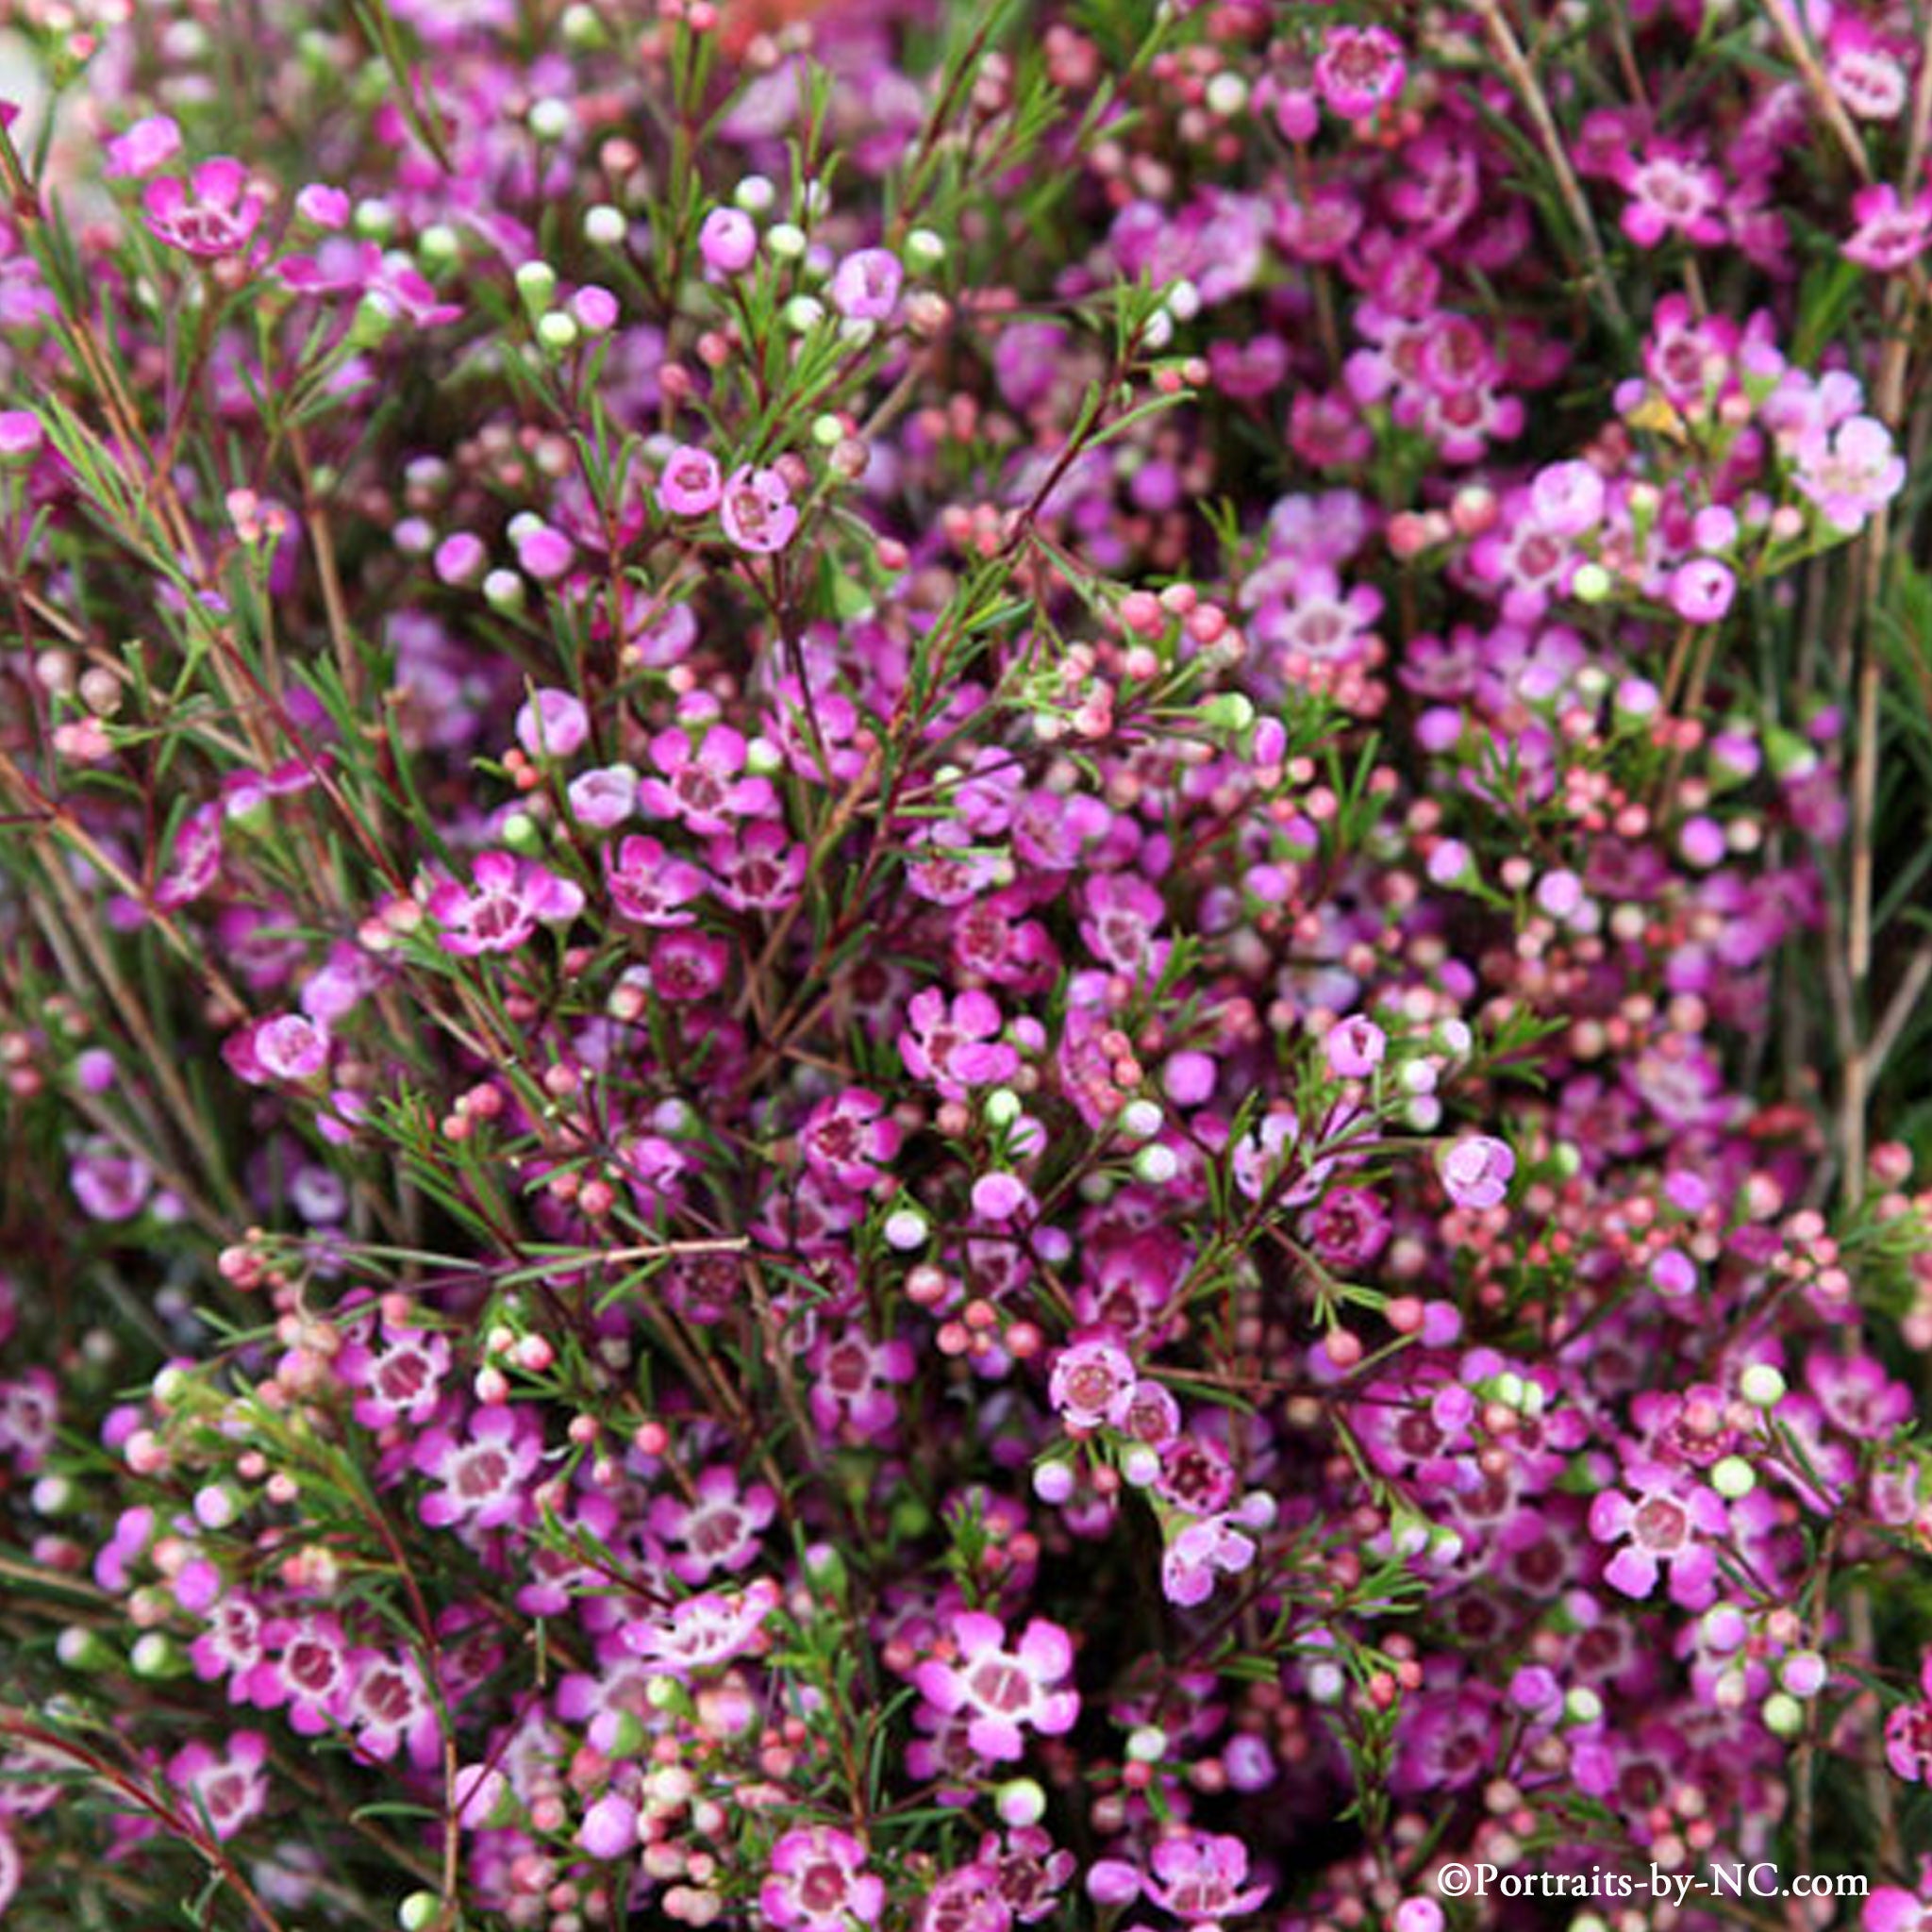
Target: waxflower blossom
[1093,1383]
[1909,1732]
[865,286]
[1001,1692]
[817,1882]
[1360,70]
[482,1472]
[690,483]
[229,1786]
[502,907]
[1475,1171]
[756,511]
[728,240]
[1659,1522]
[1354,1048]
[1850,472]
[213,215]
[849,1140]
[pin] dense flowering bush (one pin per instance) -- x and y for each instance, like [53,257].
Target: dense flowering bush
[963,968]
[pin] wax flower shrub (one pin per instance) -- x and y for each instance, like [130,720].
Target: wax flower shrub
[963,967]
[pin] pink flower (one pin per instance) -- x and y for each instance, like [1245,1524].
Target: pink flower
[718,1529]
[1849,472]
[818,1882]
[229,1785]
[1891,234]
[865,286]
[1475,1171]
[850,1138]
[649,886]
[704,1631]
[691,483]
[284,1046]
[215,220]
[1197,1553]
[603,798]
[1202,1876]
[1360,70]
[728,240]
[552,723]
[147,146]
[1909,1732]
[704,783]
[1093,1383]
[1355,1047]
[756,511]
[1670,192]
[1700,591]
[1001,1692]
[507,901]
[484,1476]
[759,867]
[956,1049]
[1658,1523]
[852,1380]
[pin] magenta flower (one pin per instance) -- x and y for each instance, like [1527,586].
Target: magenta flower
[400,1382]
[1202,1876]
[109,1184]
[603,798]
[553,724]
[507,901]
[1475,1172]
[1093,1383]
[704,1631]
[1671,192]
[1891,234]
[702,784]
[1360,70]
[484,1475]
[957,1048]
[390,1710]
[1850,472]
[284,1046]
[865,286]
[817,1882]
[1212,1546]
[215,219]
[150,144]
[649,886]
[850,1140]
[853,1382]
[728,240]
[756,511]
[1658,1522]
[758,867]
[1355,1047]
[719,1529]
[691,483]
[1909,1732]
[1002,1691]
[1700,591]
[230,1785]
[307,1670]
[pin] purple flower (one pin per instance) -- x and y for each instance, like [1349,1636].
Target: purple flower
[1658,1522]
[1360,70]
[756,511]
[1001,1692]
[850,1138]
[702,784]
[552,723]
[1890,235]
[728,240]
[691,483]
[1849,471]
[1355,1047]
[649,886]
[1093,1383]
[507,901]
[484,1476]
[1700,591]
[717,1529]
[865,286]
[817,1882]
[1202,1876]
[1475,1171]
[214,220]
